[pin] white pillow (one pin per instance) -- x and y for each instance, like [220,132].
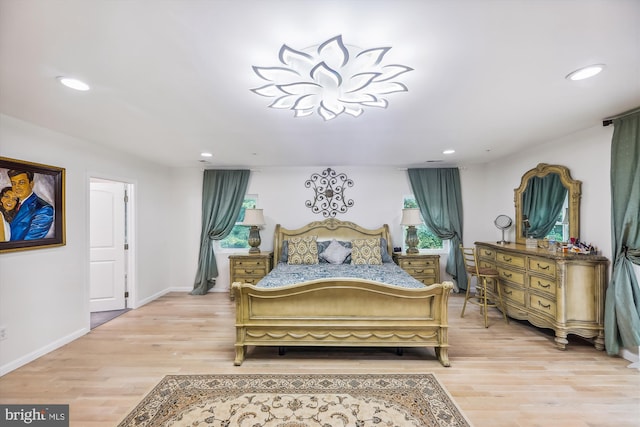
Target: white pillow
[335,253]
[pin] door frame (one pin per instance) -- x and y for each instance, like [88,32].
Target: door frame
[130,254]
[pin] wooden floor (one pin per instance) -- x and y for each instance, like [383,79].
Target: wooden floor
[503,376]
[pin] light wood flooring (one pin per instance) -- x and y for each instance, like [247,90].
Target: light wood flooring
[504,376]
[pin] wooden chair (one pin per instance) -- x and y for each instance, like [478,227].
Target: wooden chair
[483,275]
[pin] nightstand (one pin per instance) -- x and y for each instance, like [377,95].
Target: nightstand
[425,268]
[248,268]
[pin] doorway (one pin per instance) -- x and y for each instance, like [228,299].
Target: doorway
[110,216]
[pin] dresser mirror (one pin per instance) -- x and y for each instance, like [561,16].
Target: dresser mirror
[538,199]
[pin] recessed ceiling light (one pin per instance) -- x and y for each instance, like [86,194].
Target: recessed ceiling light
[585,72]
[73,83]
[448,151]
[205,154]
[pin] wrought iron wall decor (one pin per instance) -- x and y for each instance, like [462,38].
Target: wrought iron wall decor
[329,198]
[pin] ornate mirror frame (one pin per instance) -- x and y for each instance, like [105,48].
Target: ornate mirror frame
[573,193]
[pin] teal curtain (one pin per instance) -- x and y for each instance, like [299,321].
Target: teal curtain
[622,303]
[439,198]
[222,194]
[547,194]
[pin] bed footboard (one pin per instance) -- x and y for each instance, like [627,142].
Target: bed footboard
[344,312]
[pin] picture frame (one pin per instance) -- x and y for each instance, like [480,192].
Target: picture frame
[32,205]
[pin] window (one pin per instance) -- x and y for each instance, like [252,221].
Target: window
[426,239]
[238,238]
[560,231]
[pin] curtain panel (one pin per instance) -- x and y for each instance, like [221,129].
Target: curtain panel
[439,198]
[622,303]
[547,194]
[222,194]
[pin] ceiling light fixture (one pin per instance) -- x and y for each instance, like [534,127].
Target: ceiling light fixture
[74,83]
[205,154]
[585,72]
[331,79]
[448,151]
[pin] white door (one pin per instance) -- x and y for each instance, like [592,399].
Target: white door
[107,239]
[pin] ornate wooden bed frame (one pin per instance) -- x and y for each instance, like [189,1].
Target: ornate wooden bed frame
[342,312]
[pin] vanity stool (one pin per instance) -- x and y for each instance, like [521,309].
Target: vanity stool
[484,277]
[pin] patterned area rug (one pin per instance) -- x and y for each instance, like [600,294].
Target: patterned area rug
[297,401]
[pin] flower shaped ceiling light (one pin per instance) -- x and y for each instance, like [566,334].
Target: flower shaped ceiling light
[330,78]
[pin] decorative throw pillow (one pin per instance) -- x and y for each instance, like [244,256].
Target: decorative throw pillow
[384,252]
[284,256]
[335,253]
[366,251]
[303,250]
[321,247]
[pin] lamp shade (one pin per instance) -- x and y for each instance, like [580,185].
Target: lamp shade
[253,217]
[411,216]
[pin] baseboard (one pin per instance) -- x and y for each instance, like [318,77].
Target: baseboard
[151,298]
[15,364]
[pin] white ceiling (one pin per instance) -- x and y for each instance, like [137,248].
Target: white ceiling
[172,78]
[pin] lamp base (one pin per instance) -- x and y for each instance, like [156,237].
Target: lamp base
[254,240]
[412,240]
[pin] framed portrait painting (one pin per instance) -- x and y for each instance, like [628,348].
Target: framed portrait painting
[31,205]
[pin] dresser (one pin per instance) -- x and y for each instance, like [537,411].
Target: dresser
[563,292]
[425,268]
[249,268]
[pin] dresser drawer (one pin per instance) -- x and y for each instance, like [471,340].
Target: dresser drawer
[250,263]
[513,294]
[247,279]
[427,280]
[542,305]
[511,259]
[544,266]
[417,264]
[543,284]
[486,253]
[249,271]
[511,276]
[420,271]
[483,263]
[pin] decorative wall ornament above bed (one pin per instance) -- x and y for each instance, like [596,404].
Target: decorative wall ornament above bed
[329,198]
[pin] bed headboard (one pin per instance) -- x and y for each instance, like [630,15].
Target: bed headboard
[326,230]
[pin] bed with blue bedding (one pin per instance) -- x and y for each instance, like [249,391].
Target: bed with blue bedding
[334,284]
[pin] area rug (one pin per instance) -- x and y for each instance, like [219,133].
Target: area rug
[389,400]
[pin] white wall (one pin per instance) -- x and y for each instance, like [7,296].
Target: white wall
[44,298]
[377,194]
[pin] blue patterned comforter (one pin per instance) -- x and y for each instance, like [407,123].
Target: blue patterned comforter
[284,274]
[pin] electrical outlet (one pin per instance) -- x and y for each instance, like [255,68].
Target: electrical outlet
[3,333]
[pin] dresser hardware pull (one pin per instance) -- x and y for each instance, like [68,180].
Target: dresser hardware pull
[543,268]
[507,275]
[547,286]
[418,271]
[507,259]
[544,306]
[249,271]
[508,292]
